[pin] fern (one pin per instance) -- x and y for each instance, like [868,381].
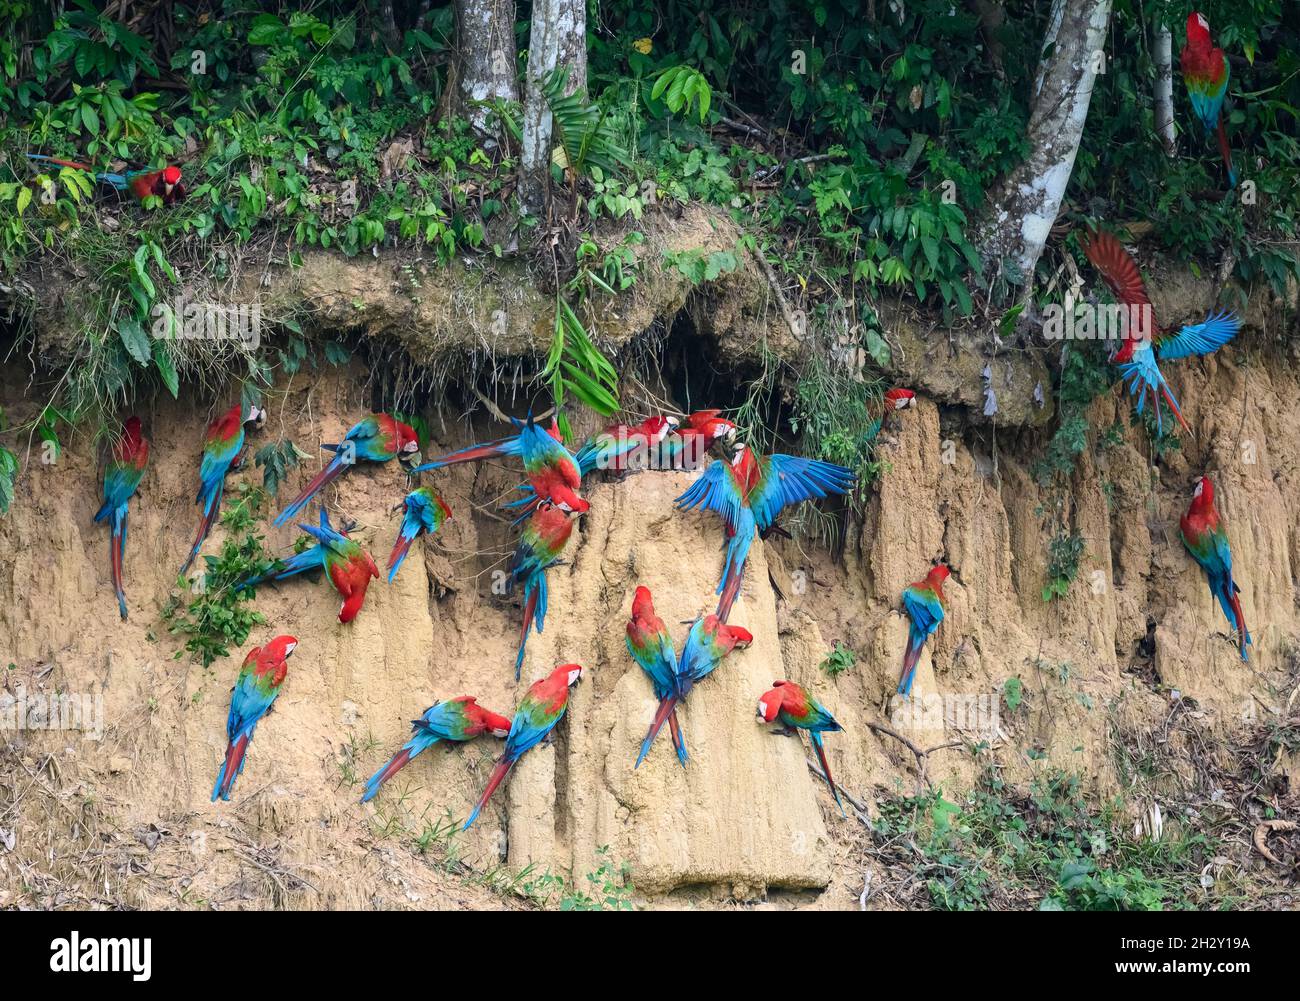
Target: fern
[582,130]
[575,367]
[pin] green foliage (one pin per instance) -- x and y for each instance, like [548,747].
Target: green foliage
[575,367]
[610,887]
[682,88]
[275,460]
[1002,847]
[1013,691]
[838,660]
[8,474]
[1063,555]
[217,617]
[583,130]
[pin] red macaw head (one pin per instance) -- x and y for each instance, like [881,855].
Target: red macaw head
[738,636]
[769,705]
[171,177]
[657,428]
[569,502]
[898,399]
[1203,494]
[554,431]
[407,443]
[1198,29]
[255,418]
[937,575]
[570,674]
[281,647]
[708,422]
[491,723]
[131,429]
[642,604]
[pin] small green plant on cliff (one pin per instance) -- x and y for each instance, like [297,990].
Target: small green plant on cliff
[610,887]
[1063,555]
[219,616]
[838,660]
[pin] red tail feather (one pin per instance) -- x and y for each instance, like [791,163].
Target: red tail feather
[401,548]
[319,482]
[1174,407]
[205,527]
[1243,634]
[730,591]
[826,770]
[499,772]
[115,564]
[399,762]
[234,759]
[1225,150]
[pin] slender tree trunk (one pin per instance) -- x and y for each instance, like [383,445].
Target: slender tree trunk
[992,17]
[1024,205]
[558,38]
[1163,55]
[485,54]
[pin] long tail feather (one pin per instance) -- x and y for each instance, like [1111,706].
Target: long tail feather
[679,742]
[474,453]
[116,552]
[501,770]
[230,768]
[1226,152]
[400,549]
[915,643]
[667,708]
[730,588]
[321,480]
[826,768]
[211,511]
[409,751]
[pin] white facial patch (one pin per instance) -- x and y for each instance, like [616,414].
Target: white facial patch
[762,709]
[573,677]
[1199,488]
[564,506]
[290,649]
[501,733]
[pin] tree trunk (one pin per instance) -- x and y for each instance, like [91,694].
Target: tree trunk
[558,38]
[1163,56]
[1024,205]
[485,56]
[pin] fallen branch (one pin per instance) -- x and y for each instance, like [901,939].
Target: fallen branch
[922,757]
[1262,830]
[859,807]
[786,312]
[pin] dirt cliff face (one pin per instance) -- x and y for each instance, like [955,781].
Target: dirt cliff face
[127,818]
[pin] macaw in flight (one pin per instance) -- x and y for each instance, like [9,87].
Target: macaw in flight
[924,603]
[795,709]
[223,450]
[1206,73]
[347,565]
[541,708]
[122,476]
[425,513]
[1202,532]
[164,182]
[709,641]
[540,543]
[1137,356]
[459,719]
[377,438]
[255,690]
[749,493]
[651,646]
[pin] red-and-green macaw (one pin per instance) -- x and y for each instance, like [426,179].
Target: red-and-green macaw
[795,709]
[687,446]
[749,493]
[1146,341]
[459,719]
[621,447]
[347,565]
[255,690]
[223,450]
[378,438]
[1203,534]
[924,603]
[709,640]
[540,709]
[1206,73]
[893,401]
[425,513]
[509,446]
[540,543]
[122,476]
[165,182]
[652,647]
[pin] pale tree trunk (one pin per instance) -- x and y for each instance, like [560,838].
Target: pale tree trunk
[1023,207]
[1163,56]
[558,38]
[485,54]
